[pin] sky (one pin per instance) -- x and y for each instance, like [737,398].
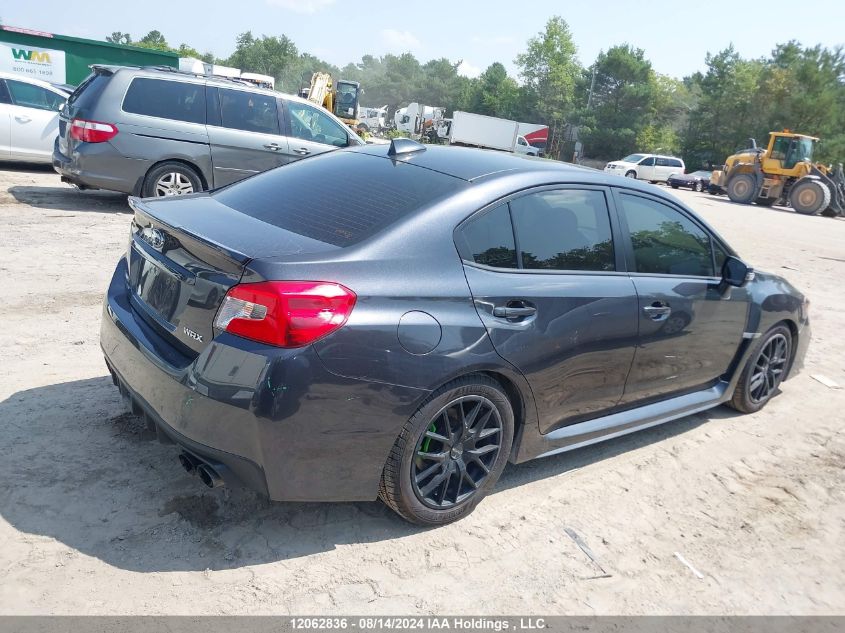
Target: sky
[675,36]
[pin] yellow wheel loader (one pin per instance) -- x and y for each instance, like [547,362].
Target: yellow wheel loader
[340,98]
[784,171]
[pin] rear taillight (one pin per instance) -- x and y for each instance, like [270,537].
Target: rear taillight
[285,313]
[92,131]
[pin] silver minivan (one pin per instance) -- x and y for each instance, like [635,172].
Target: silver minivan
[159,132]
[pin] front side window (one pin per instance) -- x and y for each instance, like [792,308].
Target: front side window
[665,241]
[648,162]
[309,124]
[565,229]
[248,111]
[176,100]
[632,158]
[30,96]
[4,93]
[489,238]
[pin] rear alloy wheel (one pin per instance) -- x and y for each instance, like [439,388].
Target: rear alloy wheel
[764,371]
[809,196]
[171,179]
[450,452]
[742,189]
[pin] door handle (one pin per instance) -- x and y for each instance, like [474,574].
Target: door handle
[516,311]
[302,151]
[22,118]
[273,146]
[657,311]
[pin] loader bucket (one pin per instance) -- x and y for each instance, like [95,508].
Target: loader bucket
[835,181]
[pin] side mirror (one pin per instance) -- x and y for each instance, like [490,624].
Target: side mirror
[736,272]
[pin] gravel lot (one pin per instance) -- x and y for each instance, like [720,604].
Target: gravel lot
[96,517]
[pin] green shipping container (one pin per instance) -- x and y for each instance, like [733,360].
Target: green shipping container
[65,60]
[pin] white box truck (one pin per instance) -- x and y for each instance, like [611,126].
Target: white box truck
[478,130]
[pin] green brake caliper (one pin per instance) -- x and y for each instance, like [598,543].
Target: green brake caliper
[427,441]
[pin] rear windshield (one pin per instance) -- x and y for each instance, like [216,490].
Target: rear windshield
[87,93]
[340,198]
[177,100]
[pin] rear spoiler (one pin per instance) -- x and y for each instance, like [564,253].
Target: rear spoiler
[143,211]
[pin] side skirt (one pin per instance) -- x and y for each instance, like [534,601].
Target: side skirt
[585,433]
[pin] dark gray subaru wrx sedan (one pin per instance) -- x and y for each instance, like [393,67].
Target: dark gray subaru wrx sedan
[401,321]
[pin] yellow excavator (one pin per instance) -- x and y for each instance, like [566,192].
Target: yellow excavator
[340,98]
[782,172]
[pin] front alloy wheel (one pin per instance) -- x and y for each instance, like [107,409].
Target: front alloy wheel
[768,369]
[764,371]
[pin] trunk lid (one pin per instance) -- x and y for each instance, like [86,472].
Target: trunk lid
[184,255]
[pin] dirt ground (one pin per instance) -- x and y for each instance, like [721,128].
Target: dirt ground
[96,517]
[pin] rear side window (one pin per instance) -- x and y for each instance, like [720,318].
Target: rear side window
[252,112]
[565,229]
[340,198]
[88,92]
[4,93]
[176,100]
[674,162]
[489,238]
[665,241]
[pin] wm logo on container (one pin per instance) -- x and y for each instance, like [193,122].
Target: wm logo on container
[23,54]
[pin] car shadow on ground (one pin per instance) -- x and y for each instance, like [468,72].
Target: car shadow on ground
[70,199]
[85,473]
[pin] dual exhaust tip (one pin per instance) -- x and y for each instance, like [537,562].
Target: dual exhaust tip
[208,473]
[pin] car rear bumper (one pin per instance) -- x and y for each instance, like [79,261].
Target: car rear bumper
[100,166]
[275,420]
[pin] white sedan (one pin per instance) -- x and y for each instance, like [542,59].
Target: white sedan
[29,118]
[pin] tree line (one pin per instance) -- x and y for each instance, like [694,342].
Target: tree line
[615,106]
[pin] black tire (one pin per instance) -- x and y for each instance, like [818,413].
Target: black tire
[742,188]
[809,196]
[765,202]
[631,174]
[698,187]
[750,394]
[401,482]
[674,186]
[181,173]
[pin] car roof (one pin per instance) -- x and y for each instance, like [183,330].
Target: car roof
[168,72]
[471,164]
[33,81]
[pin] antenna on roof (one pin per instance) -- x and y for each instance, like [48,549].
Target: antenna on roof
[399,146]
